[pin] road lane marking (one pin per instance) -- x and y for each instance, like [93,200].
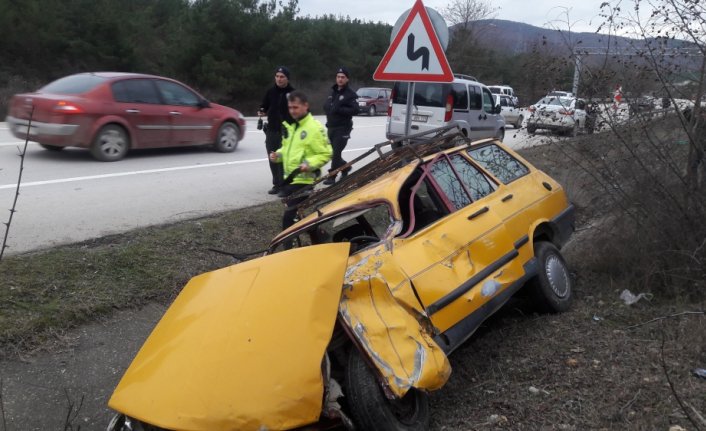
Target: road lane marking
[9,144]
[147,171]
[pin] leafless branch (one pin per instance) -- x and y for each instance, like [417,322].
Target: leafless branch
[2,408]
[657,319]
[671,385]
[17,190]
[72,412]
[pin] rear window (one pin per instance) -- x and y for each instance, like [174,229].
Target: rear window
[425,94]
[74,84]
[495,90]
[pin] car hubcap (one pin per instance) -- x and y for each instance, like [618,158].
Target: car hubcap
[113,143]
[557,276]
[229,138]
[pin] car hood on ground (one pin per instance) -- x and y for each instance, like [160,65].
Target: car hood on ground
[241,347]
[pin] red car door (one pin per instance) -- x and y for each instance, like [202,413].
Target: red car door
[137,101]
[191,122]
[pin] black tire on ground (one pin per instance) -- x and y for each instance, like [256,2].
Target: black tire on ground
[501,135]
[228,137]
[372,111]
[51,147]
[110,144]
[370,408]
[551,289]
[518,123]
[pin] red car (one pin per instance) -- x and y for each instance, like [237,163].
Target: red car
[112,112]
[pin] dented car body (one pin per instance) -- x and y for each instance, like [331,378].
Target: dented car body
[350,316]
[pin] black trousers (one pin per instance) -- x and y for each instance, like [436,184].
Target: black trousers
[290,208]
[339,139]
[273,140]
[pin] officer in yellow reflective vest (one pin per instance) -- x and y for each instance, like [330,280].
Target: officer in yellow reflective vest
[305,147]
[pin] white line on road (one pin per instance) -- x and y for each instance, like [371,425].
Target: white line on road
[8,144]
[147,171]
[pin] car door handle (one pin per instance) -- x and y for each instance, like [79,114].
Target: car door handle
[547,185]
[482,117]
[132,111]
[507,198]
[174,113]
[477,213]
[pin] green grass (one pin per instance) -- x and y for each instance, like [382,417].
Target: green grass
[44,293]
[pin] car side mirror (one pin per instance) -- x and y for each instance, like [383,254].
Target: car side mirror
[498,109]
[203,103]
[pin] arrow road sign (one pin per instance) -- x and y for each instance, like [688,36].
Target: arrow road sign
[415,53]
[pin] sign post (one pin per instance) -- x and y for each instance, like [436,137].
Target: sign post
[415,54]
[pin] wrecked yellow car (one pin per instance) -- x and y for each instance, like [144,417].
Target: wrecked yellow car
[349,317]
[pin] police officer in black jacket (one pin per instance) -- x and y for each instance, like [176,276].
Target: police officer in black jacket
[340,107]
[274,105]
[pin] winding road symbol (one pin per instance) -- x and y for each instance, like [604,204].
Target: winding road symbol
[421,52]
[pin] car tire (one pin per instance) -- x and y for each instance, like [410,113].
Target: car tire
[500,135]
[552,288]
[518,123]
[228,137]
[372,111]
[51,147]
[110,144]
[372,410]
[531,129]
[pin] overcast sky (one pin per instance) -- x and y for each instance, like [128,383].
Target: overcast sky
[583,15]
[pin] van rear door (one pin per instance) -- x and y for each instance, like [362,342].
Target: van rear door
[428,108]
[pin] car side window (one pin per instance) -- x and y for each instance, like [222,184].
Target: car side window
[460,96]
[503,102]
[499,163]
[175,94]
[487,101]
[476,98]
[420,204]
[474,180]
[445,177]
[135,91]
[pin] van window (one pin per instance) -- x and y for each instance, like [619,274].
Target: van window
[425,94]
[460,96]
[487,101]
[495,90]
[476,98]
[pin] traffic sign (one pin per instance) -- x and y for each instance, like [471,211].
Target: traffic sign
[415,54]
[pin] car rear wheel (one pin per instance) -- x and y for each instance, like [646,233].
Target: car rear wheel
[372,111]
[518,123]
[228,138]
[501,135]
[551,289]
[372,410]
[51,147]
[110,144]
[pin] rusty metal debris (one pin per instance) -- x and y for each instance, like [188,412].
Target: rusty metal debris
[391,154]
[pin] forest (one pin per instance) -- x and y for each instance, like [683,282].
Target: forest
[225,49]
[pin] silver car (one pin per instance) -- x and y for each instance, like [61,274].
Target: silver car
[511,113]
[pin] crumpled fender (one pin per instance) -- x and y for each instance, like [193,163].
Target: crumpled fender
[396,338]
[241,347]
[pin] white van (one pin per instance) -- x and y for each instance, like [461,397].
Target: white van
[506,90]
[465,101]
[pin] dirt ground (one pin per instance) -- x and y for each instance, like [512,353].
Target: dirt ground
[604,365]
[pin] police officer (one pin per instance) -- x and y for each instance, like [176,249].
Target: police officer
[340,107]
[305,148]
[274,105]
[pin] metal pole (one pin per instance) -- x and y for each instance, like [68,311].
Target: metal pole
[408,116]
[577,75]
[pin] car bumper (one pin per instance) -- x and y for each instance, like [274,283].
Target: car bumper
[39,131]
[551,122]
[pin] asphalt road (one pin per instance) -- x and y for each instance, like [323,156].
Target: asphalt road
[68,197]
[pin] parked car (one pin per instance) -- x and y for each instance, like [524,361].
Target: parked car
[352,312]
[559,93]
[373,100]
[506,90]
[466,102]
[511,113]
[111,113]
[559,114]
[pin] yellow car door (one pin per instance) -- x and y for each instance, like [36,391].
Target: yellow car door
[463,259]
